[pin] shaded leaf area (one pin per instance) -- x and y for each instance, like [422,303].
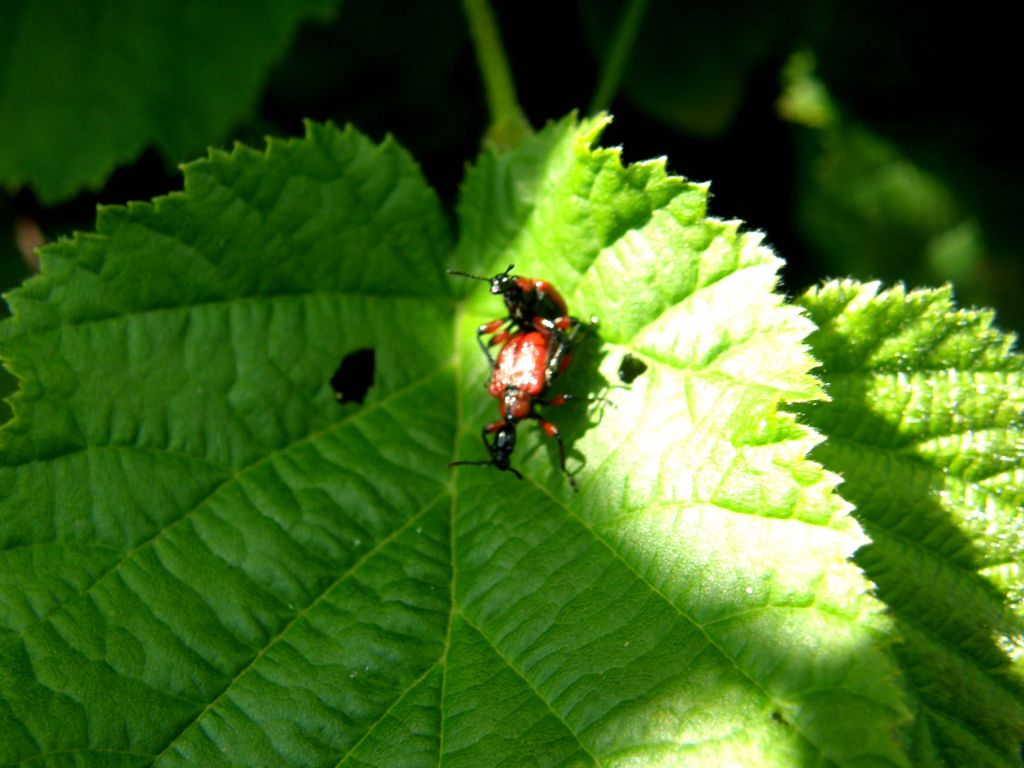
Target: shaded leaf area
[695,592]
[870,212]
[925,425]
[88,87]
[12,271]
[204,556]
[206,559]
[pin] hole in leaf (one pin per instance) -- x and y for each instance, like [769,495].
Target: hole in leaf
[630,368]
[354,376]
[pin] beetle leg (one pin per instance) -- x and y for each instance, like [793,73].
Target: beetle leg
[563,331]
[552,431]
[556,400]
[485,329]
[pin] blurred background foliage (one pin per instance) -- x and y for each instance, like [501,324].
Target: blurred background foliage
[866,139]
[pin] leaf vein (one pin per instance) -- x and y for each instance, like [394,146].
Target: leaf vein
[378,547]
[669,602]
[223,485]
[497,650]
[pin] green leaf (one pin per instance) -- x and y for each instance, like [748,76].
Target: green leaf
[202,550]
[207,560]
[120,77]
[704,558]
[925,425]
[13,270]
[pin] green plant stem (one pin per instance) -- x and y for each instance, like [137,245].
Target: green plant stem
[508,123]
[615,62]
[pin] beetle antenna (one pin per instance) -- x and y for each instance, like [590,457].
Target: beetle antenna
[478,277]
[466,274]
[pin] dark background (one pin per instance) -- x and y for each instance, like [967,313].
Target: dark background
[923,145]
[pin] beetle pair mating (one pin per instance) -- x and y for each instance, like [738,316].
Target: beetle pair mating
[536,338]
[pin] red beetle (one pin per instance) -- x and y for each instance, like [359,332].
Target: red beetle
[526,365]
[531,305]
